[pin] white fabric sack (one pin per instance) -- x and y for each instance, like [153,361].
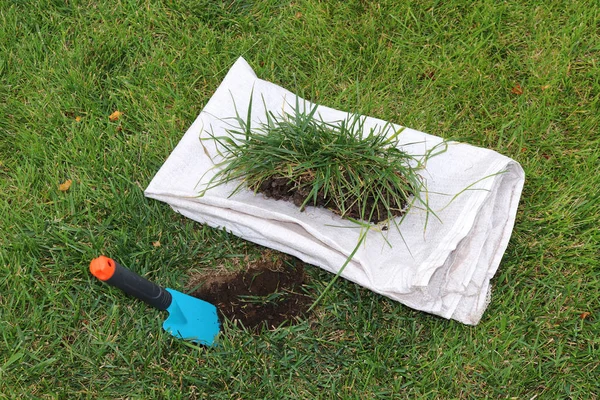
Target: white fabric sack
[444,269]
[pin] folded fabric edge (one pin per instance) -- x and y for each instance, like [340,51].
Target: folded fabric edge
[469,309]
[243,225]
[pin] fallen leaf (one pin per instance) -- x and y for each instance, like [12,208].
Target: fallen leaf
[545,87]
[517,89]
[78,119]
[156,244]
[63,187]
[429,74]
[585,315]
[115,116]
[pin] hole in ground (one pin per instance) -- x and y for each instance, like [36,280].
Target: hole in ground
[268,294]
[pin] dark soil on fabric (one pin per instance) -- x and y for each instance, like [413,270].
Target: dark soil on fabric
[282,188]
[266,295]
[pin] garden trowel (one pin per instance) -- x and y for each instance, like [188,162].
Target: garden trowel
[189,318]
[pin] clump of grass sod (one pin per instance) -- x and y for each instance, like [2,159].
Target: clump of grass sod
[301,158]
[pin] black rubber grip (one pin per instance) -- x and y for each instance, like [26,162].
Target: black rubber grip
[141,288]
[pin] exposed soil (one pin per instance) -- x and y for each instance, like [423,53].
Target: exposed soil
[266,295]
[282,188]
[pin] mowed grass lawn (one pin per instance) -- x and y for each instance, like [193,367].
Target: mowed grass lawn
[522,78]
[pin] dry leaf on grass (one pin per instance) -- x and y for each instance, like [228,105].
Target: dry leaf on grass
[156,244]
[63,187]
[115,116]
[429,74]
[517,89]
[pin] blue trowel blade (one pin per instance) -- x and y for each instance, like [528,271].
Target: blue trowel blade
[192,319]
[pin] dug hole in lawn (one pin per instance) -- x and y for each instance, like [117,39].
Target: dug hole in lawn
[442,265]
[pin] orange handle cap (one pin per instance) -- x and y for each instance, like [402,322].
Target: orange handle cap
[103,268]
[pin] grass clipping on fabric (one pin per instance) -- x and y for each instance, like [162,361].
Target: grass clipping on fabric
[357,174]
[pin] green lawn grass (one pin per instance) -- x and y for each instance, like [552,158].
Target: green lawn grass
[447,68]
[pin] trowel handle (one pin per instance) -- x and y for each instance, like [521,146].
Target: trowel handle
[108,270]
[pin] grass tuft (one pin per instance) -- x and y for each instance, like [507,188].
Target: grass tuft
[338,165]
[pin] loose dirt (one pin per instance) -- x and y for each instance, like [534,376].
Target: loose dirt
[266,295]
